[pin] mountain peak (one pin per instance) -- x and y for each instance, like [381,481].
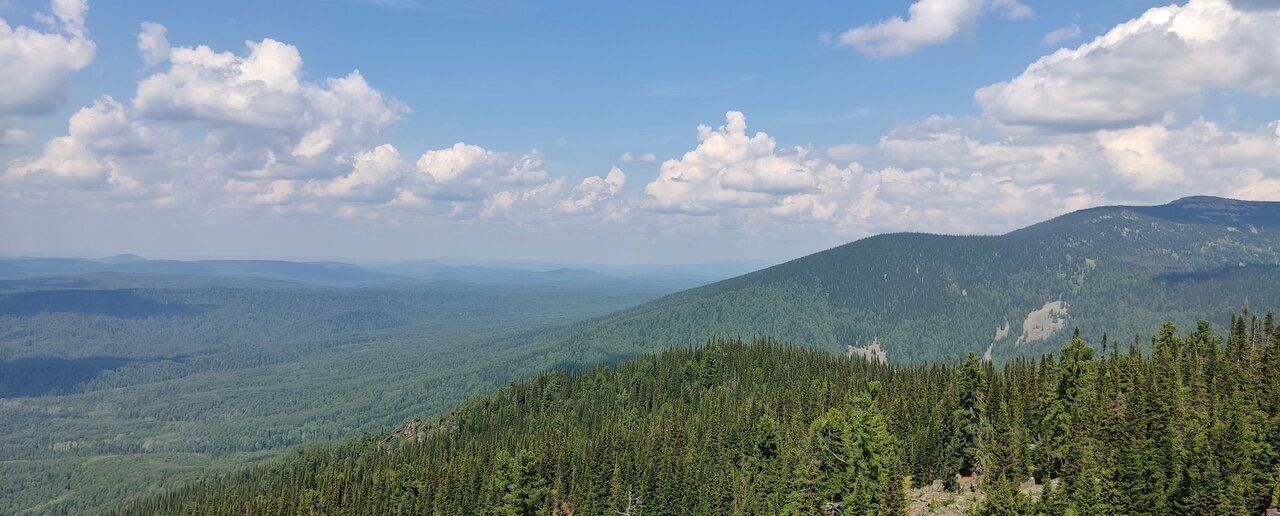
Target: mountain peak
[1209,201]
[1219,210]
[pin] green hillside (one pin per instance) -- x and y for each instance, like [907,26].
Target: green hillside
[1191,428]
[1117,270]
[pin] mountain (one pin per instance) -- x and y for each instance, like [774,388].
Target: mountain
[734,428]
[912,297]
[677,277]
[339,274]
[224,371]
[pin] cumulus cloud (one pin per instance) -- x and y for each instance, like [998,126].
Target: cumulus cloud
[929,22]
[153,45]
[731,168]
[35,65]
[593,192]
[222,115]
[741,179]
[252,132]
[1134,153]
[371,176]
[277,192]
[465,172]
[86,155]
[945,174]
[262,90]
[218,130]
[1144,68]
[533,202]
[443,166]
[68,14]
[1146,164]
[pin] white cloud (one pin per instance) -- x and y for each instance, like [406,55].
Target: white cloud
[446,165]
[736,179]
[593,192]
[1135,154]
[959,176]
[153,46]
[216,130]
[35,65]
[251,132]
[85,156]
[263,90]
[929,22]
[731,168]
[270,193]
[532,202]
[1142,69]
[1059,36]
[1142,164]
[465,172]
[371,176]
[70,15]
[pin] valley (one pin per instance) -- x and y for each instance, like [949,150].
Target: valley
[212,373]
[155,378]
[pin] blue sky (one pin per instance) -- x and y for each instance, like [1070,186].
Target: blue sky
[871,126]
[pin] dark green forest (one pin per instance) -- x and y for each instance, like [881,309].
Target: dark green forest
[1117,269]
[1187,423]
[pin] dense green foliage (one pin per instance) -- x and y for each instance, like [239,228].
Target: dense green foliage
[1190,427]
[1119,270]
[128,405]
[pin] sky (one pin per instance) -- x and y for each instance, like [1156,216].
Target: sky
[612,132]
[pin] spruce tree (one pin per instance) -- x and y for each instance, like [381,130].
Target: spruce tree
[521,489]
[969,417]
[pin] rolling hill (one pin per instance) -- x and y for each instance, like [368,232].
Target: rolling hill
[913,297]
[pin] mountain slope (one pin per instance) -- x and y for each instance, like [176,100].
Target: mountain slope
[732,428]
[1120,270]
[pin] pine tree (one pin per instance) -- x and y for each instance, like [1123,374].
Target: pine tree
[969,417]
[521,489]
[1004,499]
[805,495]
[894,500]
[1069,410]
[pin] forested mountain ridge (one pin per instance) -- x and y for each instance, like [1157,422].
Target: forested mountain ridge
[1191,427]
[1120,270]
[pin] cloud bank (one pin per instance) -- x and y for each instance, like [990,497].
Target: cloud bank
[248,131]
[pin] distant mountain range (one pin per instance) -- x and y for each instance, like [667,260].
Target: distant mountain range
[338,274]
[1119,270]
